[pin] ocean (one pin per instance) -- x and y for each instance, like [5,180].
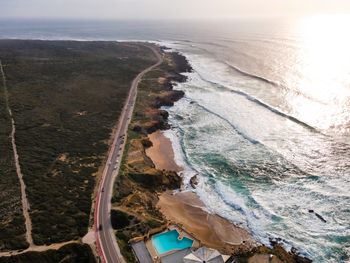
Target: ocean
[265,121]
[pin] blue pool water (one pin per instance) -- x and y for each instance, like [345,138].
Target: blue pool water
[169,241]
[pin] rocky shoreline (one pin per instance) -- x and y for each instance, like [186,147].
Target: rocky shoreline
[138,188]
[134,204]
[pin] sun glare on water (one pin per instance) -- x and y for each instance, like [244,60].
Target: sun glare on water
[324,62]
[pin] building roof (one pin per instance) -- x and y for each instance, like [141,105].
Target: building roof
[204,254]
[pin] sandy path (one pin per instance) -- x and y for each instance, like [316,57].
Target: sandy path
[25,203]
[35,248]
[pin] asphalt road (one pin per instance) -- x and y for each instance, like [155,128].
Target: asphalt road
[105,238]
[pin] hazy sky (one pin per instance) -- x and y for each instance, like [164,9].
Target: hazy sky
[141,9]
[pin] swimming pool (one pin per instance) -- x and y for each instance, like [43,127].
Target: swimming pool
[168,241]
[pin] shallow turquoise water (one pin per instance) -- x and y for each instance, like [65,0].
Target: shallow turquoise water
[169,241]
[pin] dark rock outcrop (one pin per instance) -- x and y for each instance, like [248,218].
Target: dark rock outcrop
[168,98]
[194,181]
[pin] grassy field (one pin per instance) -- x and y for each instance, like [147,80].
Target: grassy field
[66,97]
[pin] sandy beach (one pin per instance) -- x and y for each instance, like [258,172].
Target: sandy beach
[162,153]
[187,210]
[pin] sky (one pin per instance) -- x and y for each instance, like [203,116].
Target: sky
[172,9]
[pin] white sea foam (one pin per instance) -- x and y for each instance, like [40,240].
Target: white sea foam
[266,209]
[269,185]
[187,172]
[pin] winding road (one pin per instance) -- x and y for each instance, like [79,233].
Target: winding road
[106,242]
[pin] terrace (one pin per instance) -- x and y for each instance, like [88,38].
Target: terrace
[175,246]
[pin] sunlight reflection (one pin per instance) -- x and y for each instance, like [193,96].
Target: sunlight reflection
[325,70]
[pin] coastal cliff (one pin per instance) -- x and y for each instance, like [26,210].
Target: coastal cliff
[140,182]
[138,206]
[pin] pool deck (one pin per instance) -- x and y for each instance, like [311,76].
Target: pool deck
[141,252]
[183,233]
[152,251]
[175,255]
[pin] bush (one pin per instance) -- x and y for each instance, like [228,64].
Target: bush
[119,219]
[66,97]
[71,253]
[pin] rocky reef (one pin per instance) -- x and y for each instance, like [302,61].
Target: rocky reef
[277,253]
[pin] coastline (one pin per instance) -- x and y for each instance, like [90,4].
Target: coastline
[157,197]
[148,194]
[185,208]
[161,147]
[134,214]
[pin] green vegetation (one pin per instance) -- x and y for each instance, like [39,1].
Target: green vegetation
[12,228]
[124,223]
[135,192]
[125,248]
[71,253]
[153,85]
[66,97]
[120,219]
[127,226]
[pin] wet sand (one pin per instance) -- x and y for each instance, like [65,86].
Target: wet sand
[187,210]
[162,153]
